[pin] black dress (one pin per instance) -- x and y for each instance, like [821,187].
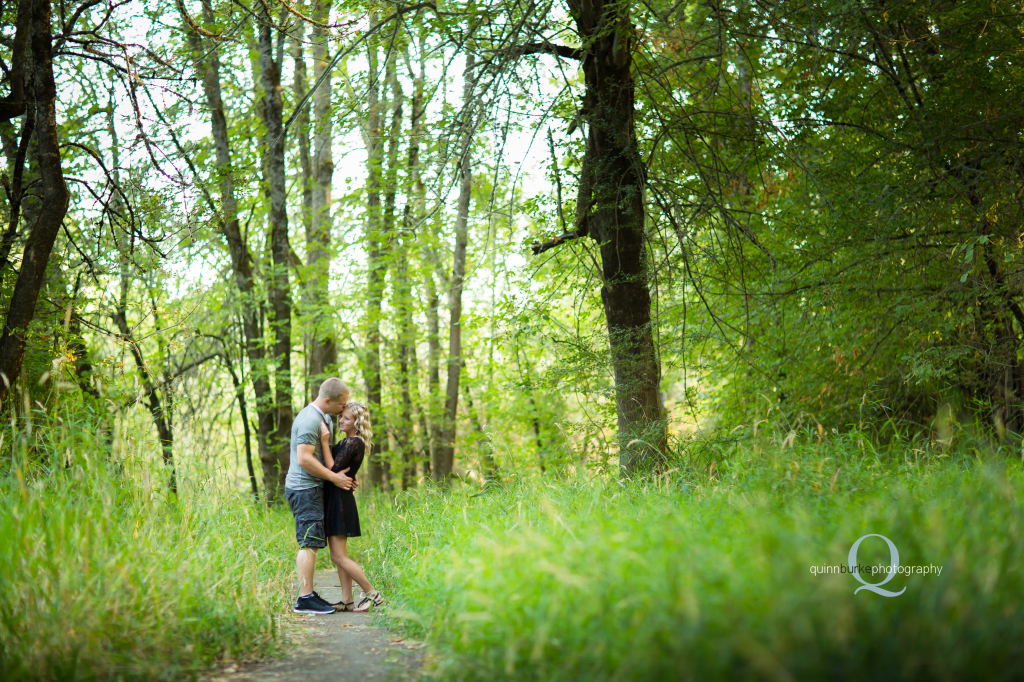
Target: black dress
[341,517]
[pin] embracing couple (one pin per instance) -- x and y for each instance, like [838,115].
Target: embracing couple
[319,486]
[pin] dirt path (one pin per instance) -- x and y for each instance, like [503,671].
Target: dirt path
[338,648]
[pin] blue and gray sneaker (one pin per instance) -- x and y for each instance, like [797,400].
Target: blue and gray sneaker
[312,603]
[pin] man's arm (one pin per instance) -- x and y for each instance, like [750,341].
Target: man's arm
[309,462]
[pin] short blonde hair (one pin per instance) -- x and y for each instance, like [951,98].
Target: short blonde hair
[333,388]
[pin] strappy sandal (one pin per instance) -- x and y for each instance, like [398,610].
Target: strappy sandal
[343,606]
[369,601]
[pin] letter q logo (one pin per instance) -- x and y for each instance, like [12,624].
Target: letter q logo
[894,557]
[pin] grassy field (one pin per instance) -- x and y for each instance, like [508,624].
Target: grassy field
[686,578]
[103,576]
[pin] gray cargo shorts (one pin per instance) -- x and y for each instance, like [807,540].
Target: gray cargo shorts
[308,509]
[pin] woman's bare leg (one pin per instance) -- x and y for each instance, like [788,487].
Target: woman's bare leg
[345,580]
[337,547]
[350,568]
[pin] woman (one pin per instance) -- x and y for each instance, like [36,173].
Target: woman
[341,517]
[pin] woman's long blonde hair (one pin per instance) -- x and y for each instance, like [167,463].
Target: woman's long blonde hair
[362,424]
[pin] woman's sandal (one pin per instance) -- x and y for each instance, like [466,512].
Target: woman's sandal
[368,601]
[343,606]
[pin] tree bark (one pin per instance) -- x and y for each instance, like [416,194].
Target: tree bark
[280,249]
[612,210]
[241,258]
[14,104]
[446,457]
[323,352]
[53,204]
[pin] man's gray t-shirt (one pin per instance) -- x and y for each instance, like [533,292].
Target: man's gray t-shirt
[306,429]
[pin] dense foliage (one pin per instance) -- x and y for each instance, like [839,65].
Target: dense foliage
[620,282]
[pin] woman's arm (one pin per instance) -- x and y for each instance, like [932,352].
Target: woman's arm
[325,445]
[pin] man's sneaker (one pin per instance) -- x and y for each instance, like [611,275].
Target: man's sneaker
[312,603]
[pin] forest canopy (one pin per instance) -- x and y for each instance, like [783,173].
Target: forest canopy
[544,235]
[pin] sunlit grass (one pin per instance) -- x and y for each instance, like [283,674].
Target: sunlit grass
[708,577]
[107,577]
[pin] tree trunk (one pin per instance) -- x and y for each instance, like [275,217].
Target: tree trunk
[280,249]
[430,415]
[407,374]
[404,430]
[613,212]
[14,104]
[243,412]
[323,352]
[301,129]
[446,458]
[433,374]
[487,462]
[416,210]
[409,367]
[300,133]
[377,246]
[526,382]
[53,203]
[160,411]
[241,258]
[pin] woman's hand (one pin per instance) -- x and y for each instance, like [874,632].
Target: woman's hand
[325,445]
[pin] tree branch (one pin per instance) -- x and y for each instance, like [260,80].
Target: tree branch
[550,48]
[541,247]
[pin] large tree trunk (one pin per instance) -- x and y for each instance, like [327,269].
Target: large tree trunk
[612,209]
[322,350]
[53,202]
[241,258]
[446,457]
[280,250]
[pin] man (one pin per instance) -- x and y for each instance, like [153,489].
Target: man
[303,487]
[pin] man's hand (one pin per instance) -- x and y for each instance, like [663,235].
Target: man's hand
[343,481]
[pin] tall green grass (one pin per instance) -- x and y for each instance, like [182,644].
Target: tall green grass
[103,575]
[698,577]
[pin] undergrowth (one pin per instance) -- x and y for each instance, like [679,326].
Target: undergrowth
[104,575]
[703,575]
